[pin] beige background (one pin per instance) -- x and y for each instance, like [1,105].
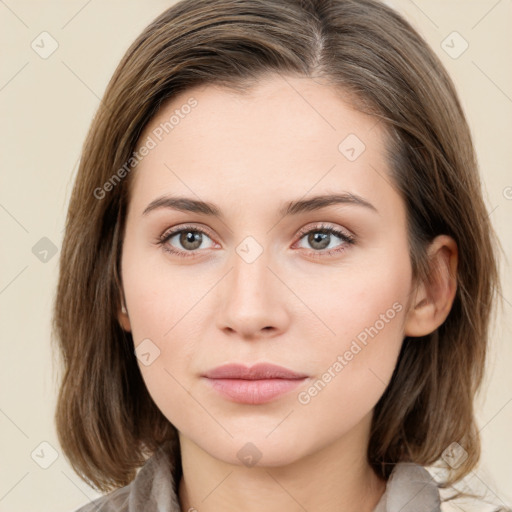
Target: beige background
[46,107]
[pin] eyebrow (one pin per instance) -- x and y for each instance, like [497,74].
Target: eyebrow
[187,204]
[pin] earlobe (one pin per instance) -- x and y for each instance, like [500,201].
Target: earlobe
[434,298]
[123,318]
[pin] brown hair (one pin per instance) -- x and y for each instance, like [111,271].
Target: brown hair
[107,422]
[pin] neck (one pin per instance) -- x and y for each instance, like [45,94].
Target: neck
[335,478]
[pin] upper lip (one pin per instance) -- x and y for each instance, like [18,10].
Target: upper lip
[256,372]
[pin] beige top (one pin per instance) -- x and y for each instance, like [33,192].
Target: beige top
[410,488]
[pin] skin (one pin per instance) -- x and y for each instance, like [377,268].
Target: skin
[249,154]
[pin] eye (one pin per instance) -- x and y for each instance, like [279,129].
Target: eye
[189,238]
[321,239]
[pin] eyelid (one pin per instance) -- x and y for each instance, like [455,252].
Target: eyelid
[327,227]
[184,227]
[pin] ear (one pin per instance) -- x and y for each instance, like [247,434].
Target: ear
[432,300]
[123,318]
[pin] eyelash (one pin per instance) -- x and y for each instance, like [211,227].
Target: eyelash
[322,228]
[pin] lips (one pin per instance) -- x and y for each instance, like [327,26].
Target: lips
[256,372]
[258,384]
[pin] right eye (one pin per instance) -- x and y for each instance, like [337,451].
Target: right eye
[190,238]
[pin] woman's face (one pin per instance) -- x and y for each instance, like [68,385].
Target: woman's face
[264,280]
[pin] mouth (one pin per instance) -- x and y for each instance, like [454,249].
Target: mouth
[258,384]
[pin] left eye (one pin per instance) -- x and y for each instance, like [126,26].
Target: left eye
[320,238]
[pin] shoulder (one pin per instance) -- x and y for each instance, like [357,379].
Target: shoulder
[412,487]
[115,501]
[471,494]
[153,488]
[472,506]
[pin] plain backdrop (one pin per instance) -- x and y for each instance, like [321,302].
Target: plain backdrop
[47,103]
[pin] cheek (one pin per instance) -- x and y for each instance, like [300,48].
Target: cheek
[355,366]
[158,295]
[365,311]
[163,305]
[365,300]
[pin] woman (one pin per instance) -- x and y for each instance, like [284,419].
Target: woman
[278,270]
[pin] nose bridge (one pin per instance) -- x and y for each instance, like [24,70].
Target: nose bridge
[252,300]
[250,276]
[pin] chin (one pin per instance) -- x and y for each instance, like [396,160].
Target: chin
[258,450]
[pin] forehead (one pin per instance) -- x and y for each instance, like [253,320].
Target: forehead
[283,136]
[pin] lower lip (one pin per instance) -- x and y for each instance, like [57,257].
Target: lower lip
[254,391]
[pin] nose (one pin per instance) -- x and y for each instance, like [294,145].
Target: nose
[253,299]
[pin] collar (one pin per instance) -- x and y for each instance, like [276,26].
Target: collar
[410,488]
